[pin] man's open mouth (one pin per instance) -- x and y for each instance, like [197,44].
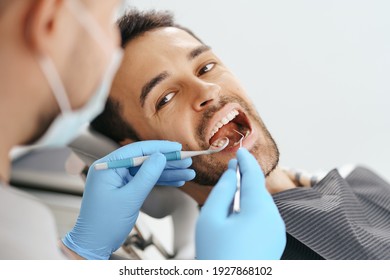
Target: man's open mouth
[233,125]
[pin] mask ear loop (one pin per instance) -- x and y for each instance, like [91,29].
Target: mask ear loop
[55,83]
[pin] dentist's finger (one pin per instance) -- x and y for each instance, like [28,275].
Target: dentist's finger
[145,179]
[176,175]
[218,204]
[253,189]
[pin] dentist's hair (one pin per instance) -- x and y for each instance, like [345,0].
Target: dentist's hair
[133,24]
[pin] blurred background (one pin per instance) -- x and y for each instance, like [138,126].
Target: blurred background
[317,71]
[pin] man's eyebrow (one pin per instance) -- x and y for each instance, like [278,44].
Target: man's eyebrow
[147,88]
[198,51]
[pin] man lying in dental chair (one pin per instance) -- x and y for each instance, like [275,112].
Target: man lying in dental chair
[172,86]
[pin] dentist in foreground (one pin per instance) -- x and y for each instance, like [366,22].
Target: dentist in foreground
[58,58]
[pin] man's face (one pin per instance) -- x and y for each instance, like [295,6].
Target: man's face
[173,87]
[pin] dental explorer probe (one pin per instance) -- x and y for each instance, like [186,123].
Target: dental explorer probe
[215,147]
[237,195]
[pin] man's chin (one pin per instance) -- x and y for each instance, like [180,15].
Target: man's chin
[273,167]
[209,169]
[208,173]
[206,178]
[205,181]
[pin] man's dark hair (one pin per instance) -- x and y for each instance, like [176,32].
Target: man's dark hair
[133,24]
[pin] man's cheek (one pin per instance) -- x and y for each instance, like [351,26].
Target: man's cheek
[183,131]
[170,133]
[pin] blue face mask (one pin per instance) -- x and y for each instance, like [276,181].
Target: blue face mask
[69,123]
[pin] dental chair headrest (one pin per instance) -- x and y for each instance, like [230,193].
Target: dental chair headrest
[91,145]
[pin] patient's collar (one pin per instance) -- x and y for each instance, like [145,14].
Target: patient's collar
[280,179]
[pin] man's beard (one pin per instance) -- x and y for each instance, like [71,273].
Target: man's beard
[209,169]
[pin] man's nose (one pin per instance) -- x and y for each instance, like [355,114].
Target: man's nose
[205,95]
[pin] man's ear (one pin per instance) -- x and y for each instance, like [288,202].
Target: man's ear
[41,23]
[127,141]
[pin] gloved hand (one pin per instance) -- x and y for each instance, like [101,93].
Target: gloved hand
[112,198]
[256,232]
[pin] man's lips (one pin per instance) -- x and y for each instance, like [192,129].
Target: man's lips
[246,143]
[218,116]
[230,121]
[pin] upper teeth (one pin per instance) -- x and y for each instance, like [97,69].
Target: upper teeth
[230,116]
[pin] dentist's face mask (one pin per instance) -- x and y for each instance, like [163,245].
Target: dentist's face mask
[69,123]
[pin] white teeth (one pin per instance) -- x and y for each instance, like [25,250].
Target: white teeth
[230,116]
[245,136]
[219,143]
[225,120]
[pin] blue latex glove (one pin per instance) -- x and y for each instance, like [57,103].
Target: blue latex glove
[112,198]
[256,232]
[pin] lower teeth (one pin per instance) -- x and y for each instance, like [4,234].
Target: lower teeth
[219,143]
[245,136]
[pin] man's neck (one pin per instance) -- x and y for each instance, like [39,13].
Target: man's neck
[276,181]
[4,163]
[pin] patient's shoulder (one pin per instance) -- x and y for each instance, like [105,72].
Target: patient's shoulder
[362,175]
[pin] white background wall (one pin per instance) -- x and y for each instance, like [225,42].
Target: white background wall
[318,72]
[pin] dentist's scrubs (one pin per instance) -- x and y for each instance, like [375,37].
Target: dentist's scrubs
[28,229]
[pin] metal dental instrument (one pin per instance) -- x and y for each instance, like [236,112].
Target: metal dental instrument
[237,195]
[215,147]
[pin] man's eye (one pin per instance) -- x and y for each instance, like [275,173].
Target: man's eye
[165,100]
[206,68]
